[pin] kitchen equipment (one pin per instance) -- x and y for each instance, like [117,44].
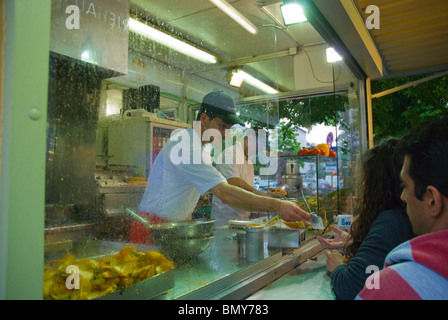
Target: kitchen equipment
[255,243]
[292,167]
[180,239]
[135,141]
[198,228]
[292,181]
[191,229]
[241,224]
[134,215]
[178,249]
[241,239]
[279,237]
[113,194]
[272,221]
[144,290]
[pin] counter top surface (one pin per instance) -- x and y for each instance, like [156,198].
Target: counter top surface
[220,267]
[308,281]
[220,261]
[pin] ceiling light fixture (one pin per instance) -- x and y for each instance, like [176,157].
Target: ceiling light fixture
[239,76]
[237,79]
[292,12]
[333,56]
[235,15]
[170,41]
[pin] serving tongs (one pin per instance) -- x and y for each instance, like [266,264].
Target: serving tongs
[271,222]
[134,215]
[316,222]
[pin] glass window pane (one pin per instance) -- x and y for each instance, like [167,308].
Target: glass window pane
[122,85]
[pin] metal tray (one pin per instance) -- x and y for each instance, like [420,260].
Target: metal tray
[144,290]
[242,224]
[285,238]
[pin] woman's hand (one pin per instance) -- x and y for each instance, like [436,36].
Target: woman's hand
[334,259]
[336,243]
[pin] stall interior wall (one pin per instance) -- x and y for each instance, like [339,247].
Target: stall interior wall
[73,103]
[2,41]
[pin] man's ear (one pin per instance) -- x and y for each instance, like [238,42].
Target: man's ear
[204,119]
[434,201]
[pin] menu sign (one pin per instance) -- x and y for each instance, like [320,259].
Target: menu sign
[95,31]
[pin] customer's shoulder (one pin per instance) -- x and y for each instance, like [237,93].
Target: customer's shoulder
[391,220]
[391,215]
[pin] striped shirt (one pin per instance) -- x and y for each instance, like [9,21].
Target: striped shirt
[414,270]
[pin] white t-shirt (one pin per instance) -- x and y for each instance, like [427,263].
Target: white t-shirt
[180,174]
[240,167]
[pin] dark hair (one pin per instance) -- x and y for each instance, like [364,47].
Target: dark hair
[379,190]
[427,148]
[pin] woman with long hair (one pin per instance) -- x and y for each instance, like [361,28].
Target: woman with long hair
[380,222]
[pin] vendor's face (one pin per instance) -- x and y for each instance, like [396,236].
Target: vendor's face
[215,123]
[415,208]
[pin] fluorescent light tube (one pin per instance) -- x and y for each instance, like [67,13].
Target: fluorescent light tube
[170,41]
[333,56]
[237,79]
[243,76]
[235,15]
[292,13]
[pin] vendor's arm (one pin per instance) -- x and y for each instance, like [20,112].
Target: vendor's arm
[245,200]
[238,182]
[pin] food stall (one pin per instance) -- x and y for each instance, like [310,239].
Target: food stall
[110,95]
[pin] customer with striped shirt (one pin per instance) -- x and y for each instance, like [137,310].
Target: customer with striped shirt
[418,269]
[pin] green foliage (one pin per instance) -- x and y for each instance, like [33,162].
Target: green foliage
[398,112]
[315,110]
[287,135]
[393,114]
[302,112]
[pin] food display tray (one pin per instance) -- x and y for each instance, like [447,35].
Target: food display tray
[144,290]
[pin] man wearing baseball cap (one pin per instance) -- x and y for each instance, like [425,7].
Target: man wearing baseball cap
[177,180]
[219,104]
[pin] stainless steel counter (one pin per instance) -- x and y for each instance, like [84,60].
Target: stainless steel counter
[218,269]
[308,281]
[219,273]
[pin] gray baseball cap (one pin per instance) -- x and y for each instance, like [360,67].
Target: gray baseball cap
[221,105]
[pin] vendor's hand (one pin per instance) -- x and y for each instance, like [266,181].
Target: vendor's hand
[336,243]
[290,211]
[334,259]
